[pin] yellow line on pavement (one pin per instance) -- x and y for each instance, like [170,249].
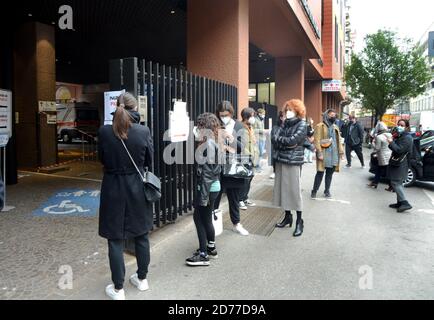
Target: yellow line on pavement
[60,177]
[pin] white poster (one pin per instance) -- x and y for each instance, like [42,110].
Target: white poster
[6,112]
[110,105]
[331,85]
[143,108]
[179,123]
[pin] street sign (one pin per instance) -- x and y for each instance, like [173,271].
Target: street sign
[77,202]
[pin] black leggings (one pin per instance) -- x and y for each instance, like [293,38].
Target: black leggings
[117,264]
[234,204]
[328,180]
[203,220]
[359,152]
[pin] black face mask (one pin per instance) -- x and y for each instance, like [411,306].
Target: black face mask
[332,120]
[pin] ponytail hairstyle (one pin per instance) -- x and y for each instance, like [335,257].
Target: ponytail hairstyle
[122,118]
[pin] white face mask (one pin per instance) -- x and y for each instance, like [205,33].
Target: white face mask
[226,120]
[196,133]
[290,115]
[252,121]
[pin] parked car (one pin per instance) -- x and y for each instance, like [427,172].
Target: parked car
[77,121]
[422,161]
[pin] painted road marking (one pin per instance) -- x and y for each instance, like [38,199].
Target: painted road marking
[428,194]
[333,200]
[61,177]
[429,211]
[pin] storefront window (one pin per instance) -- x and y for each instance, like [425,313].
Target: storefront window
[263,92]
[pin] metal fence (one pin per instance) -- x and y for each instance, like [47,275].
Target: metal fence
[163,86]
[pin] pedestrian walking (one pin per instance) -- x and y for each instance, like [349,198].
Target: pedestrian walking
[232,186]
[208,180]
[382,152]
[124,211]
[289,143]
[329,150]
[354,135]
[250,150]
[402,148]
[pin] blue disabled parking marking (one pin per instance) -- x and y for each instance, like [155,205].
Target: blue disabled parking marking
[77,202]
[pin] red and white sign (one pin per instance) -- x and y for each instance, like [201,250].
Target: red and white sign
[331,86]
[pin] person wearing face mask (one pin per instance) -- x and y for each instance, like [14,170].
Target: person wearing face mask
[402,148]
[354,141]
[261,138]
[231,144]
[250,149]
[329,148]
[289,143]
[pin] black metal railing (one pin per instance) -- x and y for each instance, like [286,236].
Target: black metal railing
[163,85]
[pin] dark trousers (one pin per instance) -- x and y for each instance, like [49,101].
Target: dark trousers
[380,173]
[234,203]
[117,264]
[328,180]
[203,220]
[358,150]
[246,189]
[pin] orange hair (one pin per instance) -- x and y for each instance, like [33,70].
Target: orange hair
[295,105]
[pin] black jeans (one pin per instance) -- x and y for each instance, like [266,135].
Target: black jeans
[328,180]
[246,189]
[358,150]
[203,220]
[234,203]
[380,173]
[117,264]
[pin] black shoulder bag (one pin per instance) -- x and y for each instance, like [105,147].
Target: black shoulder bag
[397,161]
[151,183]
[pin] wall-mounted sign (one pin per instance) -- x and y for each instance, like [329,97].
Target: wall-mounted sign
[143,108]
[179,123]
[51,119]
[331,85]
[309,15]
[6,112]
[47,106]
[252,93]
[110,105]
[431,44]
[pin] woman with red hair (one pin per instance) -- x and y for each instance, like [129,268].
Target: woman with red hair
[289,143]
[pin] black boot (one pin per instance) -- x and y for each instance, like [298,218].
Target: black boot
[404,206]
[286,221]
[395,205]
[299,229]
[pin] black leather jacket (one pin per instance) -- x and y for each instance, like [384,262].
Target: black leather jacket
[208,171]
[289,142]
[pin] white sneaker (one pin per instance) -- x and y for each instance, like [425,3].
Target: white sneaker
[243,205]
[240,229]
[273,176]
[218,211]
[113,294]
[142,285]
[249,203]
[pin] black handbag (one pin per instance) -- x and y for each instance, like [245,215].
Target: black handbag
[397,161]
[238,166]
[151,183]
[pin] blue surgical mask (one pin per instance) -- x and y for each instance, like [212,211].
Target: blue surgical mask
[401,130]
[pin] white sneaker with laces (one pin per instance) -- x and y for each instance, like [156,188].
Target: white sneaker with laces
[243,205]
[249,203]
[240,229]
[113,294]
[273,176]
[142,285]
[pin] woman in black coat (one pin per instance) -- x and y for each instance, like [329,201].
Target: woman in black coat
[124,211]
[402,148]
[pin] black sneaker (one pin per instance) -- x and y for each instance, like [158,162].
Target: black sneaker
[313,195]
[327,194]
[348,166]
[197,260]
[212,253]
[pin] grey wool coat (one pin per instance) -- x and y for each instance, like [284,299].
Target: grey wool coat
[124,211]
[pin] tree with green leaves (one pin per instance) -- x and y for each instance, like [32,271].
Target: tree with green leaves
[388,70]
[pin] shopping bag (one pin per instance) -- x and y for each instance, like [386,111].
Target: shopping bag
[217,221]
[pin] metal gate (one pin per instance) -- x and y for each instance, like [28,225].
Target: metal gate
[163,85]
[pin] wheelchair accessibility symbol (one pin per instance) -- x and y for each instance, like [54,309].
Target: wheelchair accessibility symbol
[65,207]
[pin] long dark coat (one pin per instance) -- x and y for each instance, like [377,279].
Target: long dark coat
[124,212]
[399,147]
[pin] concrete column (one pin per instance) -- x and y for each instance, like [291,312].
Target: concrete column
[313,100]
[34,81]
[289,79]
[218,43]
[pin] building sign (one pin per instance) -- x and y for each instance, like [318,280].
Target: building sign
[71,203]
[252,93]
[110,105]
[51,119]
[431,44]
[179,123]
[309,15]
[331,86]
[6,112]
[47,106]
